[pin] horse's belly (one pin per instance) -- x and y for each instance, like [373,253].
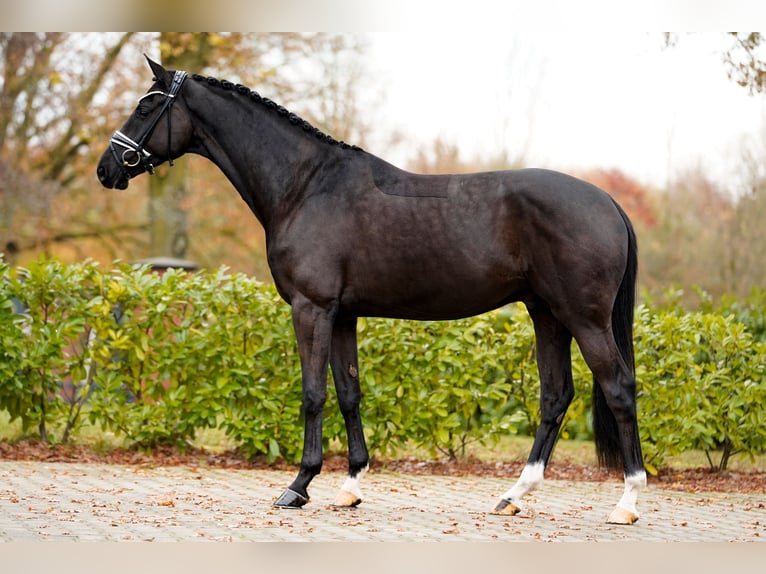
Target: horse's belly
[413,299]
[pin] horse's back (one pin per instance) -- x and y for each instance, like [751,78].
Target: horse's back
[555,193]
[507,209]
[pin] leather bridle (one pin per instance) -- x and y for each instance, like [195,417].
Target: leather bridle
[130,146]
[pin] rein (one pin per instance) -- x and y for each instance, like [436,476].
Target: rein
[130,146]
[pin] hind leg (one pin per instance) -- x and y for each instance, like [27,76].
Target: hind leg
[619,391]
[345,370]
[556,392]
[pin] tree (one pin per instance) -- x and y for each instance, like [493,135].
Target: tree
[168,217]
[687,245]
[51,105]
[711,237]
[745,256]
[746,61]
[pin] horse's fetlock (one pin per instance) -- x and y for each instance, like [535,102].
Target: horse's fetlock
[356,465]
[310,468]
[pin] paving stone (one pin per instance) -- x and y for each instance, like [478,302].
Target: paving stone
[89,502]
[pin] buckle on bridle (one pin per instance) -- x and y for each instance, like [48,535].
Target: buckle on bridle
[126,163]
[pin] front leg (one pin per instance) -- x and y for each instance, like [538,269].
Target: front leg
[313,330]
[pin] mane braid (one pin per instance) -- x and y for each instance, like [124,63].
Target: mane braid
[294,119]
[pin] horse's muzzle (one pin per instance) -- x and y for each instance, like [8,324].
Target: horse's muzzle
[114,181]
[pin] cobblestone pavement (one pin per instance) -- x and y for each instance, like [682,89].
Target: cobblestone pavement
[92,502]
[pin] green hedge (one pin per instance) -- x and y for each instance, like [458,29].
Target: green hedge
[703,385]
[156,358]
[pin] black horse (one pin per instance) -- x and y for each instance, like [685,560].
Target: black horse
[350,235]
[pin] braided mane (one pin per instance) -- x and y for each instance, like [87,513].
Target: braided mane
[294,119]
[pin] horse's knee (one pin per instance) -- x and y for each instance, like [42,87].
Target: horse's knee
[349,402]
[313,401]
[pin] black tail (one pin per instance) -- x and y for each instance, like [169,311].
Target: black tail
[607,439]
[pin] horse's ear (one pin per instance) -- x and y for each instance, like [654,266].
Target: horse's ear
[160,74]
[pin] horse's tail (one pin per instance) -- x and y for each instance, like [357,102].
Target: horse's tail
[605,430]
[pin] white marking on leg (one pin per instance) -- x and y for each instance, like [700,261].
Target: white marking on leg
[634,483]
[531,477]
[352,483]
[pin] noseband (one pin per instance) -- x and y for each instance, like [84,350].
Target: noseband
[130,146]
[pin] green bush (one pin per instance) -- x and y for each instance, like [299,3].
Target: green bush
[702,387]
[751,312]
[45,377]
[438,385]
[157,357]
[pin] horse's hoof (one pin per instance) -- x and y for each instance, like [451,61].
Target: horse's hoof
[622,516]
[290,499]
[506,508]
[346,499]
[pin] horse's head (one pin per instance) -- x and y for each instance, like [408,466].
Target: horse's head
[157,131]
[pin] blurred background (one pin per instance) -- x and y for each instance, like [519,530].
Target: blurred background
[672,125]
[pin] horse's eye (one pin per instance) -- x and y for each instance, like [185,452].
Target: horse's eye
[143,111]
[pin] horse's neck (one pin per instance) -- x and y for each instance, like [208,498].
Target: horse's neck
[265,158]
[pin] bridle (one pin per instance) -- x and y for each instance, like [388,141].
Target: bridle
[143,156]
